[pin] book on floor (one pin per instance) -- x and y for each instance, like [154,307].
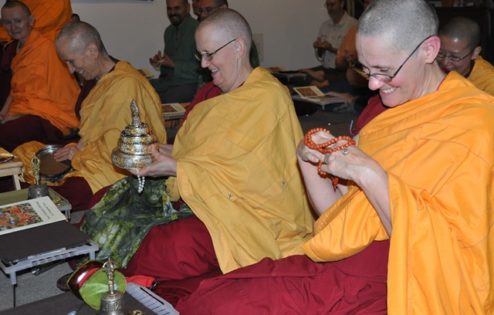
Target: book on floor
[173,110]
[28,214]
[314,95]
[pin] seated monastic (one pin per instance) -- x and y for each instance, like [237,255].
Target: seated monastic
[105,112]
[419,179]
[234,164]
[43,93]
[50,15]
[460,52]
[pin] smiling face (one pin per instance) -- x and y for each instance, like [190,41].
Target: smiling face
[82,61]
[456,55]
[224,64]
[379,57]
[177,10]
[17,22]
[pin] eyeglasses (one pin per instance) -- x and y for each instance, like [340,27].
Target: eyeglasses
[207,10]
[442,55]
[386,77]
[208,56]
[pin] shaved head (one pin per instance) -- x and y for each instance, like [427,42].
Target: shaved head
[229,24]
[403,23]
[15,3]
[78,35]
[462,29]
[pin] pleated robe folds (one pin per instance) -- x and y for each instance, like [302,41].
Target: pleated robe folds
[438,151]
[237,170]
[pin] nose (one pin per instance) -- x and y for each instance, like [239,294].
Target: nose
[375,84]
[204,62]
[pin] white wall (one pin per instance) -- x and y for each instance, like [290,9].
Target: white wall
[133,29]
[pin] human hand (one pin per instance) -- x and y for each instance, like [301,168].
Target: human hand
[350,163]
[66,153]
[167,61]
[156,60]
[317,44]
[5,118]
[307,154]
[163,164]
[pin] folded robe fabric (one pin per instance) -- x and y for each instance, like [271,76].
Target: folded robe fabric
[237,170]
[42,84]
[438,151]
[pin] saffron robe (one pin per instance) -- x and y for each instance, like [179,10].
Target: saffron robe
[237,170]
[42,85]
[105,113]
[50,16]
[438,152]
[482,75]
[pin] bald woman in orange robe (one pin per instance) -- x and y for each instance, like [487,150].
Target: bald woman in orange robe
[43,93]
[420,177]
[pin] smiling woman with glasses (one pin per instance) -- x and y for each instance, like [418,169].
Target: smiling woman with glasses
[208,56]
[383,77]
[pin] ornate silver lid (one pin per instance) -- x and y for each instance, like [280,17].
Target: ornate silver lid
[133,149]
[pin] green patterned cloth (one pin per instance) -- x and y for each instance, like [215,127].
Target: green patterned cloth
[121,219]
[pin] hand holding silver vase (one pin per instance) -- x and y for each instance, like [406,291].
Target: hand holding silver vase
[133,150]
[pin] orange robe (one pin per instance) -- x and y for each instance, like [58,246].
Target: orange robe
[50,16]
[42,85]
[482,75]
[438,152]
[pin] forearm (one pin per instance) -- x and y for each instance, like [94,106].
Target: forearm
[319,190]
[374,184]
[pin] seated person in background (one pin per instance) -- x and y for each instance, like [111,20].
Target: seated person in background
[179,69]
[50,15]
[105,112]
[42,96]
[206,7]
[234,164]
[460,52]
[421,176]
[330,35]
[195,9]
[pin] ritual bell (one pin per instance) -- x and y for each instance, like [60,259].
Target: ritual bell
[112,302]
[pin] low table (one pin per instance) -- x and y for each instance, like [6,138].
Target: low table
[39,245]
[12,168]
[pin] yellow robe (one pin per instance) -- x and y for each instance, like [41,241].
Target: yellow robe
[438,152]
[237,170]
[50,16]
[105,112]
[482,75]
[42,85]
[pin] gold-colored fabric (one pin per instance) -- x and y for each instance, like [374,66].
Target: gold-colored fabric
[50,16]
[482,75]
[105,112]
[42,85]
[237,170]
[25,153]
[438,152]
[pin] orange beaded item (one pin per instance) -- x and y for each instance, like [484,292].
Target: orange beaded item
[327,147]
